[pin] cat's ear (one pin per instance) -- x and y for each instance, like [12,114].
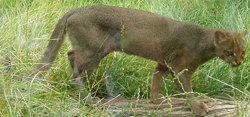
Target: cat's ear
[219,37]
[243,33]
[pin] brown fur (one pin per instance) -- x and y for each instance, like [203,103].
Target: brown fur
[95,31]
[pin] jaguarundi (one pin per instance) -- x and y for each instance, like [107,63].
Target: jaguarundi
[95,31]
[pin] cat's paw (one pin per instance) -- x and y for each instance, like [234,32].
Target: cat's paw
[160,98]
[199,108]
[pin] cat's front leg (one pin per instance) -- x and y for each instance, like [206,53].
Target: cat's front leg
[184,85]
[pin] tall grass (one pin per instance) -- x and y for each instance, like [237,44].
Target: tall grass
[26,25]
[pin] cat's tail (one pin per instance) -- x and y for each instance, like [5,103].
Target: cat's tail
[56,40]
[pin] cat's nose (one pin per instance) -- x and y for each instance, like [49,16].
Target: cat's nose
[238,62]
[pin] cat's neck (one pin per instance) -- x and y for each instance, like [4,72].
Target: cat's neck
[208,47]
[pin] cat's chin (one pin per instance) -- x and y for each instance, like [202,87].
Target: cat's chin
[233,65]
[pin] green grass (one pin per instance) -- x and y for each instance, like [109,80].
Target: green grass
[26,26]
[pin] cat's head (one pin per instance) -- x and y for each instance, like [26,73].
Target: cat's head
[231,47]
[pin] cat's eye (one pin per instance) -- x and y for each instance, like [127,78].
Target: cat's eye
[243,53]
[230,53]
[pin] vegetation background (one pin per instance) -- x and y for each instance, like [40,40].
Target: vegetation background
[25,28]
